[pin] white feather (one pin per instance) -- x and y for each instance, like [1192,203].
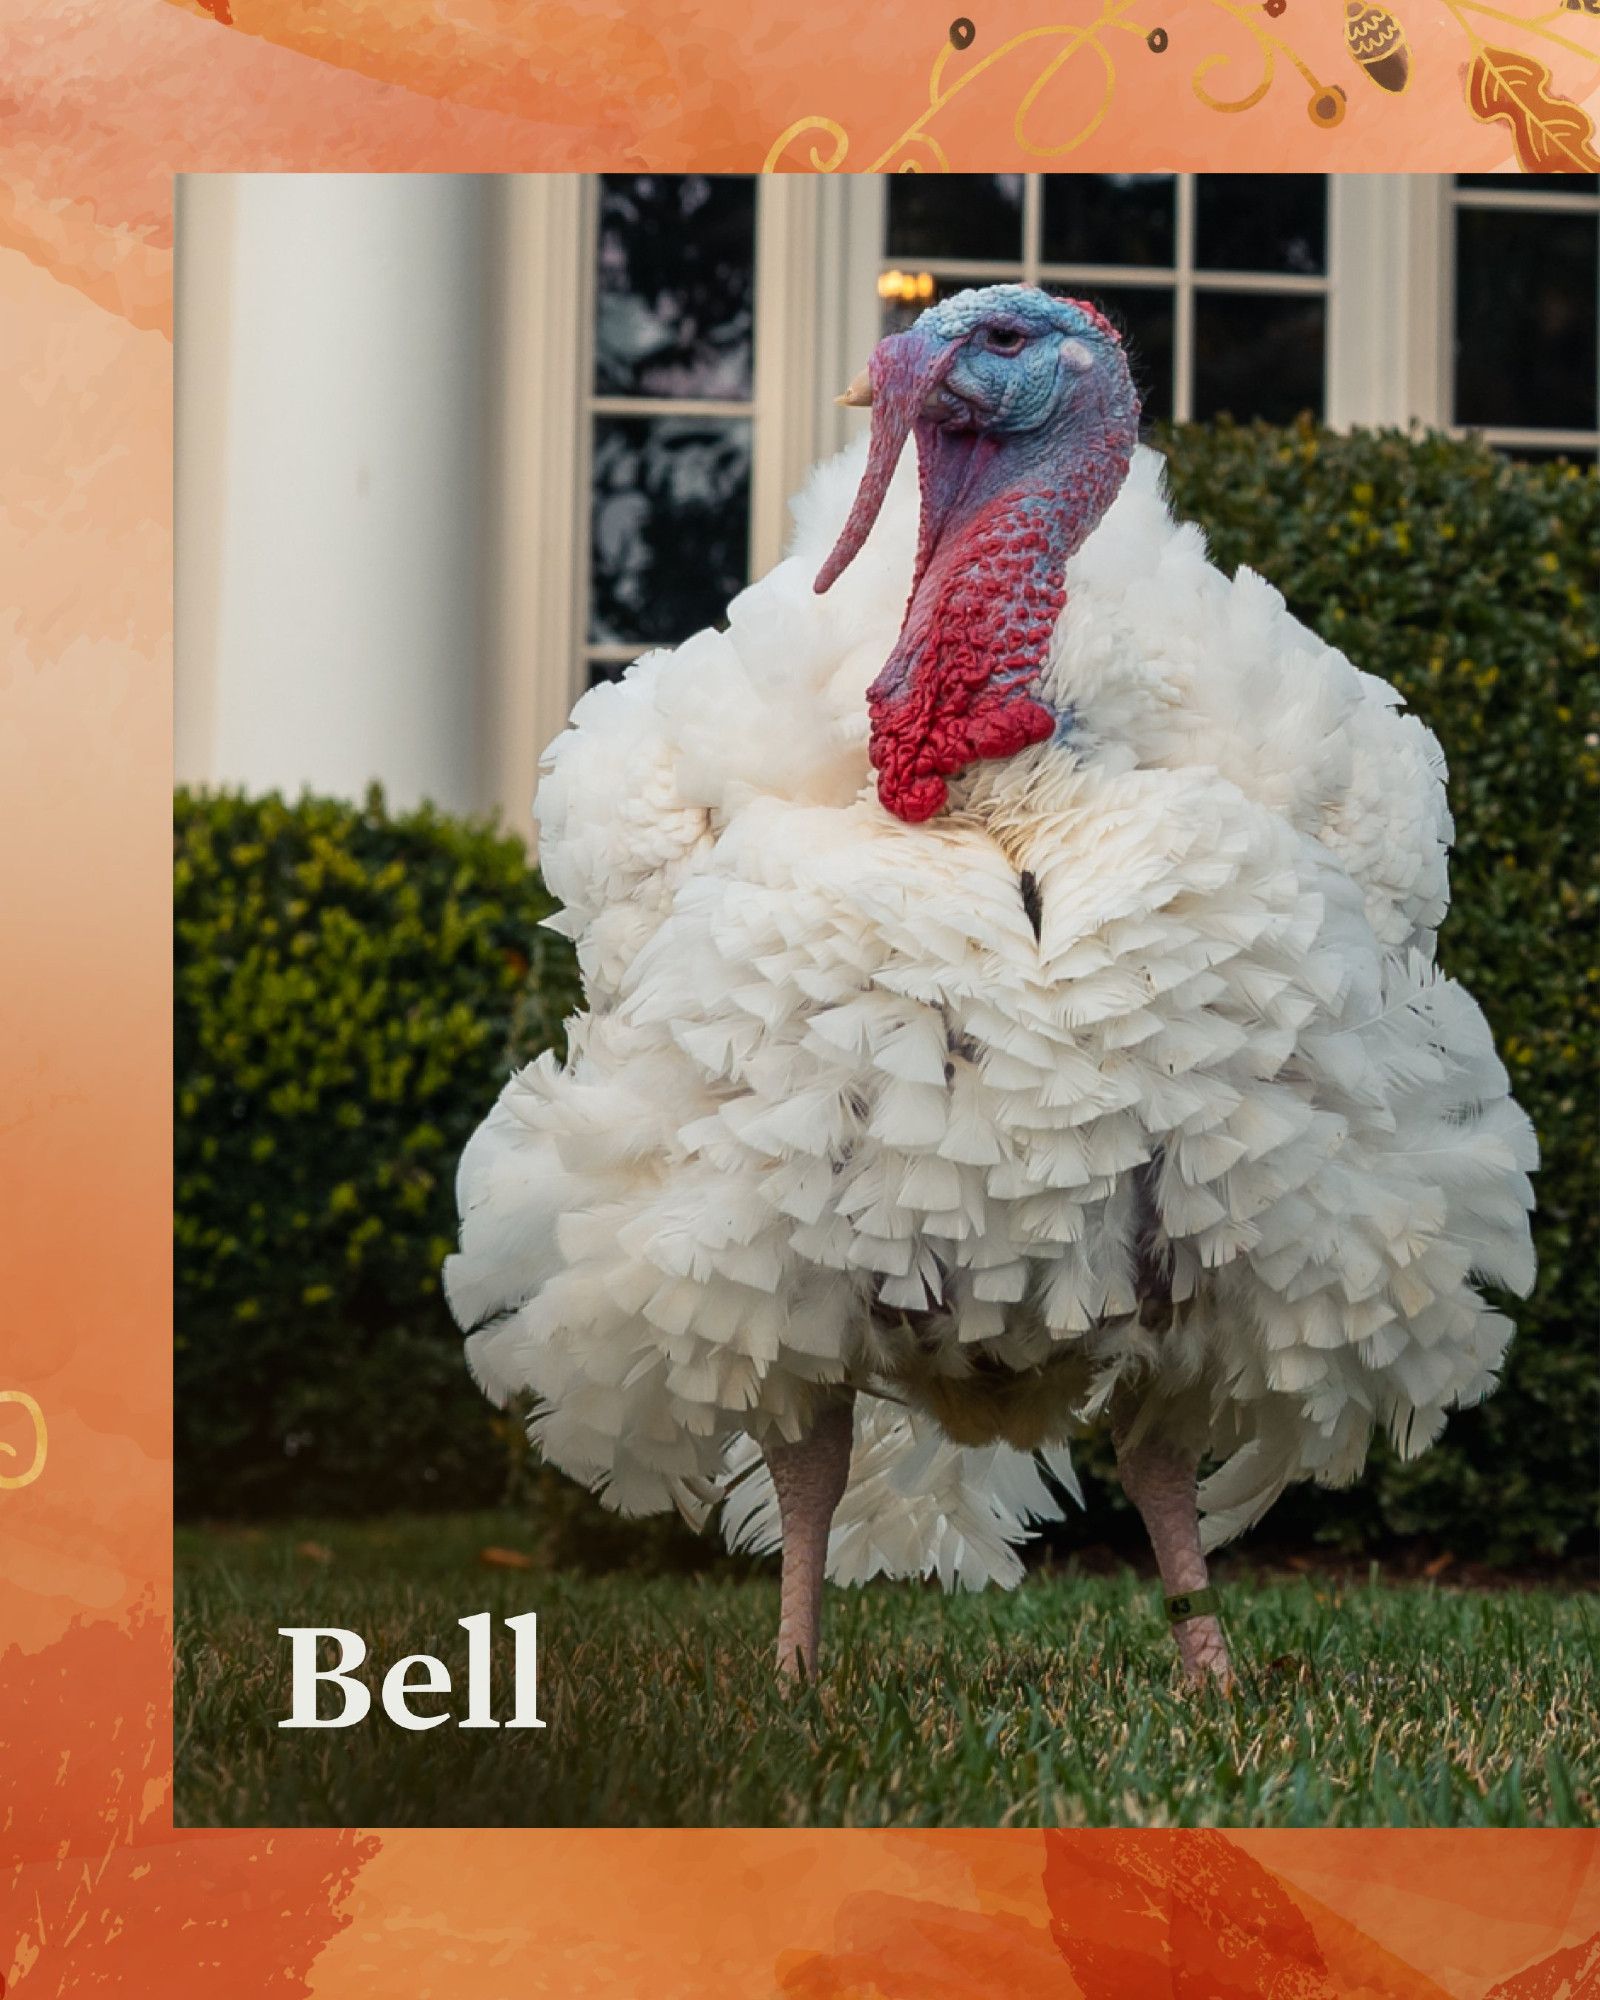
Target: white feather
[826,1062]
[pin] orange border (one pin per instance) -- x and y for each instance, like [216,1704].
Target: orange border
[97,109]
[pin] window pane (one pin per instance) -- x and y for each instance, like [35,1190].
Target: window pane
[1547,454]
[1262,222]
[1515,183]
[1142,314]
[1257,356]
[1109,218]
[595,671]
[1525,318]
[955,215]
[670,534]
[675,285]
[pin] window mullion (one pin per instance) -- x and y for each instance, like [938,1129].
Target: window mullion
[669,406]
[1183,303]
[852,235]
[786,308]
[582,584]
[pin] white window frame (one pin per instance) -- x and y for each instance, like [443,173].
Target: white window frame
[546,241]
[1184,278]
[749,409]
[793,377]
[1519,201]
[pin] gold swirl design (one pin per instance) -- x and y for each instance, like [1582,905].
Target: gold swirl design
[787,137]
[1061,44]
[916,150]
[943,89]
[41,1441]
[1271,47]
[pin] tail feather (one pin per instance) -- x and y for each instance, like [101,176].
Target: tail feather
[916,1504]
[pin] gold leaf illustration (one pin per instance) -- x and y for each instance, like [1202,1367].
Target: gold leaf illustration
[1552,135]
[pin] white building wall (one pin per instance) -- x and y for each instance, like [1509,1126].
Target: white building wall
[334,630]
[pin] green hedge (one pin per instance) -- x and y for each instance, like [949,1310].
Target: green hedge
[1470,583]
[352,987]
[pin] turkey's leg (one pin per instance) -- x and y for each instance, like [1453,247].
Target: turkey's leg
[1161,1482]
[809,1479]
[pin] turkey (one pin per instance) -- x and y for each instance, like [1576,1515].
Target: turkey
[1009,956]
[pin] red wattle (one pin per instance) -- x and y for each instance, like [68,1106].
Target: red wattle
[959,688]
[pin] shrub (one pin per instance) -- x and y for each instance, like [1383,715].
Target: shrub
[1470,583]
[352,987]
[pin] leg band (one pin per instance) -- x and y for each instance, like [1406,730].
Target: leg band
[1194,1604]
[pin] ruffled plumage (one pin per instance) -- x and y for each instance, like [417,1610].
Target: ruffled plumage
[835,1113]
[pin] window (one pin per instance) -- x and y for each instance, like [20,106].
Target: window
[1219,282]
[673,344]
[1526,259]
[670,409]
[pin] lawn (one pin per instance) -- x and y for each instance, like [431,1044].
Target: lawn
[1056,1705]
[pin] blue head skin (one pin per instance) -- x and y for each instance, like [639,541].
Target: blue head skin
[1025,418]
[1018,363]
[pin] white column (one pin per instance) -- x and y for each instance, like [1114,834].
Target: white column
[202,317]
[1388,318]
[349,619]
[543,298]
[851,209]
[786,292]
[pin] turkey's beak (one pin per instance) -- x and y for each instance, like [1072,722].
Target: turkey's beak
[900,384]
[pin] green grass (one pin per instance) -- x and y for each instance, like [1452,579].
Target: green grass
[1058,1705]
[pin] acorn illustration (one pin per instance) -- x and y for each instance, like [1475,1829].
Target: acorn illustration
[1378,42]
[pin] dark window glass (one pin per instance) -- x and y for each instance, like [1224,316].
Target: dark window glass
[675,285]
[1257,356]
[1262,222]
[955,215]
[1546,454]
[595,671]
[1109,219]
[1142,314]
[1532,183]
[1525,318]
[670,537]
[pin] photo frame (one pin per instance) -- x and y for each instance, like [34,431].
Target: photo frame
[103,1893]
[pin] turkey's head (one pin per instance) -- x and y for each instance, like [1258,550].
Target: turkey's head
[1025,418]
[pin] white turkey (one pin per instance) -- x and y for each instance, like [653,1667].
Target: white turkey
[1011,1007]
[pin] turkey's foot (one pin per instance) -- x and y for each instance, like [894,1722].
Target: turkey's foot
[1204,1651]
[809,1479]
[1161,1482]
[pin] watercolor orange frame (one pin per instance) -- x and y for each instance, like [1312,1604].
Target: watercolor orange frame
[98,110]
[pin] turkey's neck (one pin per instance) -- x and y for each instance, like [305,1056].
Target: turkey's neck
[962,686]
